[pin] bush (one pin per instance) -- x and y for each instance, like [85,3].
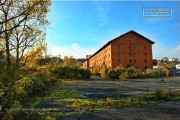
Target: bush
[163,93]
[65,72]
[115,73]
[103,71]
[133,72]
[123,76]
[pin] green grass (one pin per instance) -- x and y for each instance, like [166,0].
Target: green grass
[62,94]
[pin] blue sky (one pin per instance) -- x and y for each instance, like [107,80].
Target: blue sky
[81,27]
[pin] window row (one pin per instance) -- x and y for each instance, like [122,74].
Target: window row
[130,42]
[133,61]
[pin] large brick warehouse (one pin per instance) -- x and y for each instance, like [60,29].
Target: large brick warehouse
[129,48]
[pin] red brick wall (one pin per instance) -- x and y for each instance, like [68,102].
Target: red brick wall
[133,50]
[127,49]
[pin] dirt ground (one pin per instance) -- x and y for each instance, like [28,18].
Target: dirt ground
[98,88]
[102,88]
[163,111]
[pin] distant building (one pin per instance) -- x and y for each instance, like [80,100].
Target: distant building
[88,56]
[173,59]
[165,59]
[154,62]
[80,61]
[129,48]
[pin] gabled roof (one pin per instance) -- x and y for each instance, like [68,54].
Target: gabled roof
[120,37]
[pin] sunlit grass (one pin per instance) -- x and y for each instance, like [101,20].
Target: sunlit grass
[64,94]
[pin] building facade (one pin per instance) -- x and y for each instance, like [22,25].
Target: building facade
[129,48]
[173,59]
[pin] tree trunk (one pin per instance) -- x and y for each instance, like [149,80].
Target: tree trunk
[8,59]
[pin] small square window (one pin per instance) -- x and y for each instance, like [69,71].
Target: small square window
[130,61]
[118,47]
[145,54]
[144,48]
[134,61]
[145,61]
[119,61]
[118,54]
[134,47]
[134,54]
[133,41]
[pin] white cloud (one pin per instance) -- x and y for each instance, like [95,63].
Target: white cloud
[74,50]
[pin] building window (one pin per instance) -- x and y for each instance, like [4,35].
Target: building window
[118,54]
[144,48]
[134,47]
[118,43]
[130,61]
[133,41]
[134,54]
[119,61]
[134,61]
[145,61]
[109,55]
[145,54]
[118,47]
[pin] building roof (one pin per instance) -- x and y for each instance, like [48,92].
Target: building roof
[120,37]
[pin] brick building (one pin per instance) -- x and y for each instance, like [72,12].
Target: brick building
[129,48]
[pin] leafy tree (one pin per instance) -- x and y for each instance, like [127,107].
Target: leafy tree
[70,61]
[22,25]
[20,16]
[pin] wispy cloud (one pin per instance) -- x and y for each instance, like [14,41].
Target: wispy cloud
[74,50]
[175,52]
[164,51]
[103,10]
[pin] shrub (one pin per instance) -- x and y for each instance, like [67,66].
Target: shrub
[65,72]
[103,71]
[166,71]
[163,93]
[133,72]
[123,76]
[115,73]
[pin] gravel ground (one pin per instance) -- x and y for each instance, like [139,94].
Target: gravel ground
[163,111]
[98,88]
[103,88]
